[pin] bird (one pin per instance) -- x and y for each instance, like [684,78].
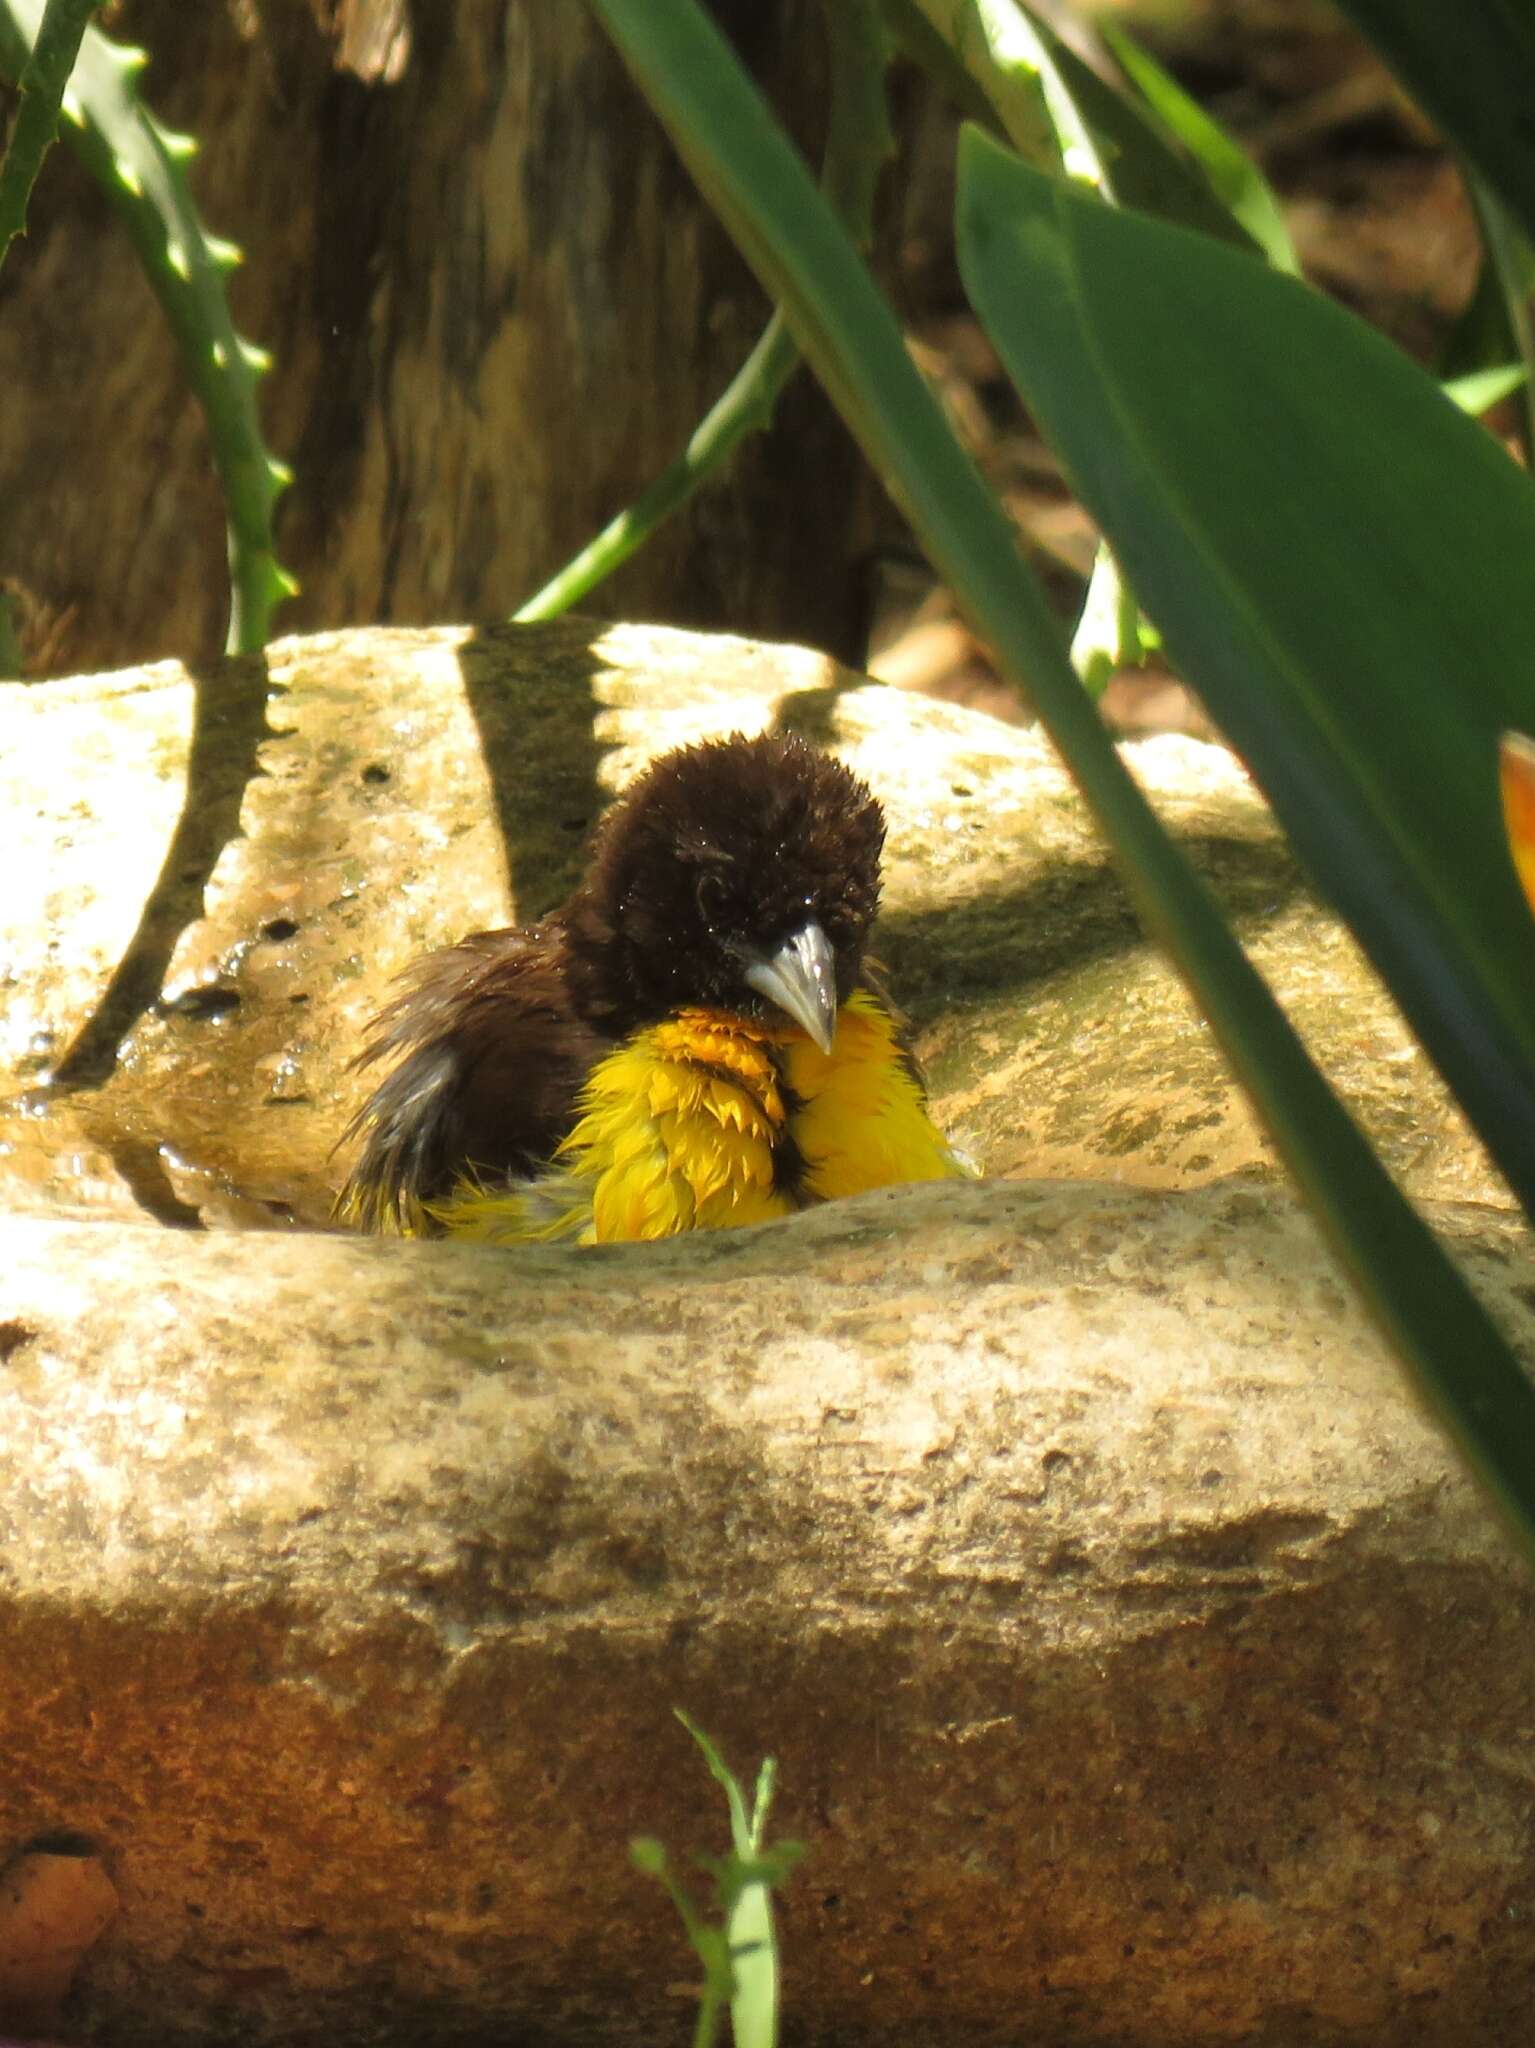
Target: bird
[698,1039]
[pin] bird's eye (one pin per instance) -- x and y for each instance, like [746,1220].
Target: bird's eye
[709,894]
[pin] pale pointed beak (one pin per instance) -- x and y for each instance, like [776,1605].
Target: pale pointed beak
[801,980]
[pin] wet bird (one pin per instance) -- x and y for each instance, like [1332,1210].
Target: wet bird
[695,1040]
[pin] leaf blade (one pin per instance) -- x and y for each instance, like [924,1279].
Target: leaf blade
[1241,490]
[1474,78]
[1456,1354]
[1234,178]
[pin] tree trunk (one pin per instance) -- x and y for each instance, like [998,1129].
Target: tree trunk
[497,307]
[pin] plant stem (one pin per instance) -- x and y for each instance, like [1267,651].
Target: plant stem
[745,405]
[42,83]
[857,143]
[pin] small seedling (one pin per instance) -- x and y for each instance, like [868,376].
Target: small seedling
[734,1939]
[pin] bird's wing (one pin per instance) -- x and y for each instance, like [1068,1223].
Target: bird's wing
[680,1129]
[487,1060]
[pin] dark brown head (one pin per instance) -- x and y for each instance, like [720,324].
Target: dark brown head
[740,875]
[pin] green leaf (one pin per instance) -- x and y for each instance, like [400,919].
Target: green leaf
[767,200]
[1109,633]
[1234,178]
[1511,262]
[752,1946]
[1043,97]
[141,167]
[1471,67]
[1143,171]
[1340,563]
[1482,333]
[43,80]
[1480,390]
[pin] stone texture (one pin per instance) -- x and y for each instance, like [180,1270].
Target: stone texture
[271,841]
[1140,1667]
[55,1904]
[1142,1670]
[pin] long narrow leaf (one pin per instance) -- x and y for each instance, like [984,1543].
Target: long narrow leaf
[1015,56]
[745,406]
[1234,177]
[769,203]
[1507,253]
[1339,562]
[1144,170]
[971,39]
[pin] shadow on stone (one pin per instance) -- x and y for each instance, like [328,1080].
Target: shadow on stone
[541,753]
[1068,916]
[229,723]
[812,714]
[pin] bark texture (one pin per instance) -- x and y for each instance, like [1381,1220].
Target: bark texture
[497,307]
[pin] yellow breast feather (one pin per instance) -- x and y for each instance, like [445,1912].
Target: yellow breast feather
[707,1121]
[678,1131]
[863,1122]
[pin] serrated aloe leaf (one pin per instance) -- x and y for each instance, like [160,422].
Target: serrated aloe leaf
[44,77]
[141,168]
